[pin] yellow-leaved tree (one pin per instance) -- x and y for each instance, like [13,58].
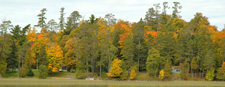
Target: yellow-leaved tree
[54,56]
[115,70]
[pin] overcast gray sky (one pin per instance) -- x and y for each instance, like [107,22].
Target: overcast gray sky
[23,12]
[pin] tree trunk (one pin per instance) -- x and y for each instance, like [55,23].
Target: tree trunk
[19,68]
[200,74]
[100,68]
[87,66]
[92,66]
[37,64]
[191,73]
[138,55]
[109,65]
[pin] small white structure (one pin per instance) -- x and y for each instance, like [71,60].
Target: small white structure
[89,79]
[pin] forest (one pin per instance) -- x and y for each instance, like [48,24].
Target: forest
[106,47]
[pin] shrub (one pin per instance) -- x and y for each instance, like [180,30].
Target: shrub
[79,73]
[30,73]
[210,75]
[23,72]
[43,72]
[133,73]
[124,75]
[162,74]
[3,66]
[221,73]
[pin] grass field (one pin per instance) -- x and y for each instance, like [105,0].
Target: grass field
[28,82]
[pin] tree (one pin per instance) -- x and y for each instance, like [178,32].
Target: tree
[43,72]
[70,48]
[72,22]
[175,10]
[157,7]
[138,36]
[115,70]
[52,25]
[39,49]
[152,63]
[184,70]
[62,19]
[19,38]
[167,70]
[5,45]
[55,56]
[42,18]
[111,20]
[128,51]
[221,72]
[165,16]
[194,65]
[150,17]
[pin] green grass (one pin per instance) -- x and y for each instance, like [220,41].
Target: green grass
[71,83]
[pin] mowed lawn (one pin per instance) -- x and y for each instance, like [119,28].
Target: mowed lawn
[59,82]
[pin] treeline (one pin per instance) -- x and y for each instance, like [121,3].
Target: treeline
[117,48]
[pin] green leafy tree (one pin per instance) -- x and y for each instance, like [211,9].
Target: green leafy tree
[194,65]
[176,11]
[128,51]
[52,25]
[221,72]
[5,43]
[43,72]
[138,36]
[42,18]
[72,22]
[167,70]
[152,63]
[157,7]
[62,19]
[150,18]
[184,70]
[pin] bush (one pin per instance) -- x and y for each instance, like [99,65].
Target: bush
[79,73]
[23,72]
[3,66]
[162,74]
[43,72]
[30,73]
[210,75]
[124,75]
[221,73]
[133,73]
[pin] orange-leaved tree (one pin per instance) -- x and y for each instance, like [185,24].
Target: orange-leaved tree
[70,47]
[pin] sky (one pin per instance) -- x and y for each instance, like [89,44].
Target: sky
[23,12]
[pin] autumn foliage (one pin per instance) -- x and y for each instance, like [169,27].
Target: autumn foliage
[55,57]
[115,70]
